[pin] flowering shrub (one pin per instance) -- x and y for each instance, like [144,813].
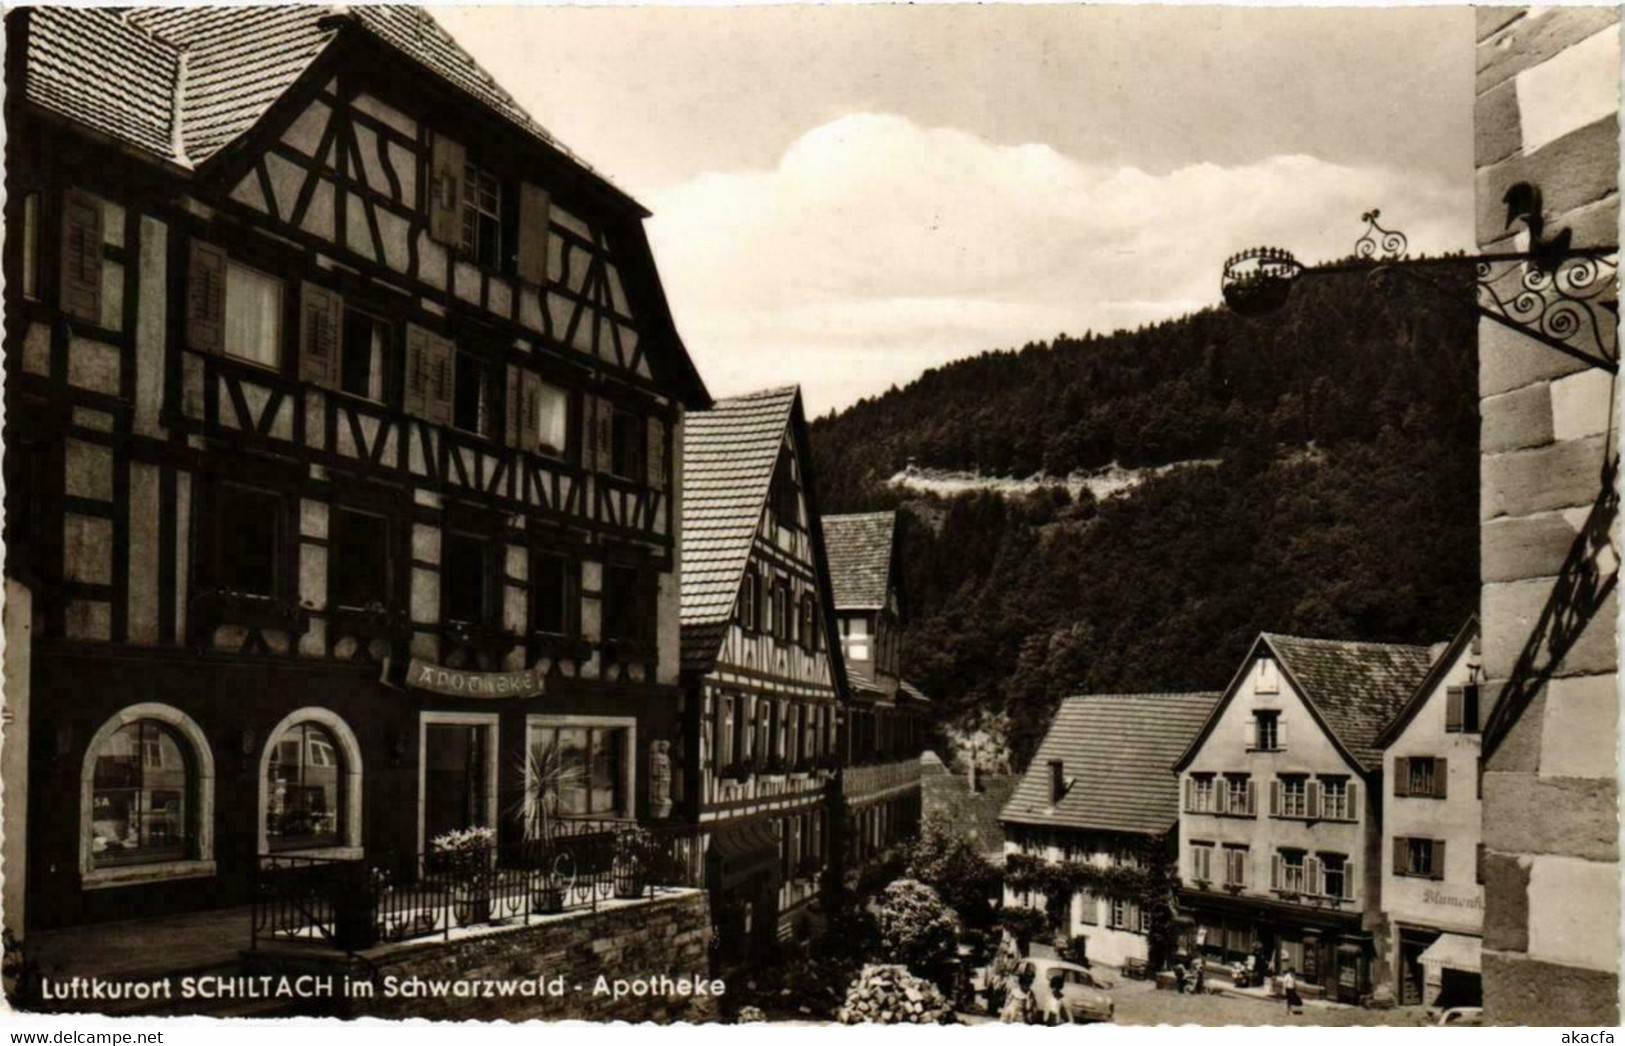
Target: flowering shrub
[916,928]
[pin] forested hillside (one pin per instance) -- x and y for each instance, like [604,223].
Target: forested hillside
[1344,503]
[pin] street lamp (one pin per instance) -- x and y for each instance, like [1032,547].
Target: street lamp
[1554,292]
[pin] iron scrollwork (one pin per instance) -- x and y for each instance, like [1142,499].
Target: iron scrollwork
[1566,302]
[1378,244]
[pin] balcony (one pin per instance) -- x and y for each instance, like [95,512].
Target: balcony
[878,780]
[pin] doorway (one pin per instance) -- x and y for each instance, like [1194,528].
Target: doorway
[457,787]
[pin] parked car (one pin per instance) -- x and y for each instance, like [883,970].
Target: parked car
[1083,991]
[1461,1017]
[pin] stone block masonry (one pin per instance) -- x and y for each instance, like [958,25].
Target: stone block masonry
[637,943]
[1546,113]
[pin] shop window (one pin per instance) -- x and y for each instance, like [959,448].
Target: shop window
[304,778]
[253,316]
[365,348]
[358,547]
[464,576]
[143,796]
[482,217]
[626,445]
[553,586]
[579,769]
[629,608]
[248,529]
[471,398]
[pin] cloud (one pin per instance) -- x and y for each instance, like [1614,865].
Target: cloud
[876,248]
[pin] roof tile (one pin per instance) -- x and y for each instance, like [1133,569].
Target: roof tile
[1356,687]
[859,547]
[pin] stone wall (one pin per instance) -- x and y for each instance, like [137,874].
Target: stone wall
[973,813]
[667,937]
[1546,113]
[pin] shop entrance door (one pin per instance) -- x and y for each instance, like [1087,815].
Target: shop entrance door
[456,776]
[1410,972]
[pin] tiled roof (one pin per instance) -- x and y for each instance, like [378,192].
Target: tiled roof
[860,548]
[913,691]
[729,453]
[1116,750]
[1466,637]
[1356,687]
[182,83]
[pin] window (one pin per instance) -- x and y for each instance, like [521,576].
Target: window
[781,612]
[1238,796]
[1267,731]
[552,419]
[471,406]
[552,593]
[303,807]
[248,540]
[1461,709]
[1236,860]
[464,567]
[482,217]
[1202,861]
[855,638]
[750,600]
[253,316]
[1199,793]
[1336,799]
[1420,777]
[807,628]
[142,796]
[785,496]
[1294,797]
[361,364]
[1290,866]
[1125,915]
[626,445]
[358,549]
[578,769]
[1423,858]
[628,607]
[1335,880]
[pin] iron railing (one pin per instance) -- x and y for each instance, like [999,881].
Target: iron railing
[355,904]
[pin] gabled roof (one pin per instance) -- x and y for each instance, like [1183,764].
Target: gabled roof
[860,558]
[182,83]
[1430,682]
[729,454]
[1352,688]
[1115,752]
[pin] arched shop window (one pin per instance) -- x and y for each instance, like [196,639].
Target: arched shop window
[147,798]
[304,805]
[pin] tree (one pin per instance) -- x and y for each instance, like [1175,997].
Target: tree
[916,928]
[965,880]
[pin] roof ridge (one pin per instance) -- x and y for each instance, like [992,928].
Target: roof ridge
[1347,642]
[775,391]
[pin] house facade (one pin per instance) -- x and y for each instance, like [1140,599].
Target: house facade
[1097,812]
[344,416]
[1279,825]
[762,713]
[886,713]
[1432,857]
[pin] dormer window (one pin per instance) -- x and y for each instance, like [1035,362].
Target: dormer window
[482,217]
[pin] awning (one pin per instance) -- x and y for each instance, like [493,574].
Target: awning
[740,851]
[1453,951]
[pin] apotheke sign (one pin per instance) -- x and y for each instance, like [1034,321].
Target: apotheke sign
[454,682]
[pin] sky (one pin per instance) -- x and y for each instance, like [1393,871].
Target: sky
[844,197]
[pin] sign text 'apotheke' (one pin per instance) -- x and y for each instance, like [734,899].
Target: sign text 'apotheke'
[455,682]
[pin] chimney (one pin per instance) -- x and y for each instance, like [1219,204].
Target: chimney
[1057,782]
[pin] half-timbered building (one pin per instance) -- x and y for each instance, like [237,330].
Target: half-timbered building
[343,409]
[763,685]
[881,785]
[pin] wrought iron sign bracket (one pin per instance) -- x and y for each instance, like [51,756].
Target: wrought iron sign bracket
[1553,293]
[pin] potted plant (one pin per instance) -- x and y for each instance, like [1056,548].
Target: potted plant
[356,925]
[468,855]
[634,854]
[547,777]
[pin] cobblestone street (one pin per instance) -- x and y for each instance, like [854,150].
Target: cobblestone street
[1139,1003]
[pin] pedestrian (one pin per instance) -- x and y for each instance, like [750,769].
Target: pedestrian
[1289,985]
[1019,1004]
[1179,977]
[1056,1011]
[1199,981]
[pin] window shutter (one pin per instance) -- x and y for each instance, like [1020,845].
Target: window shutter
[1401,855]
[442,379]
[1275,871]
[1221,789]
[1402,777]
[448,168]
[1312,871]
[1452,709]
[1280,731]
[1441,778]
[1469,708]
[1352,801]
[655,458]
[514,402]
[1190,794]
[589,431]
[1244,860]
[81,292]
[206,298]
[1089,909]
[606,435]
[419,360]
[530,403]
[534,214]
[322,317]
[1438,859]
[1252,799]
[1348,880]
[1313,799]
[1275,798]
